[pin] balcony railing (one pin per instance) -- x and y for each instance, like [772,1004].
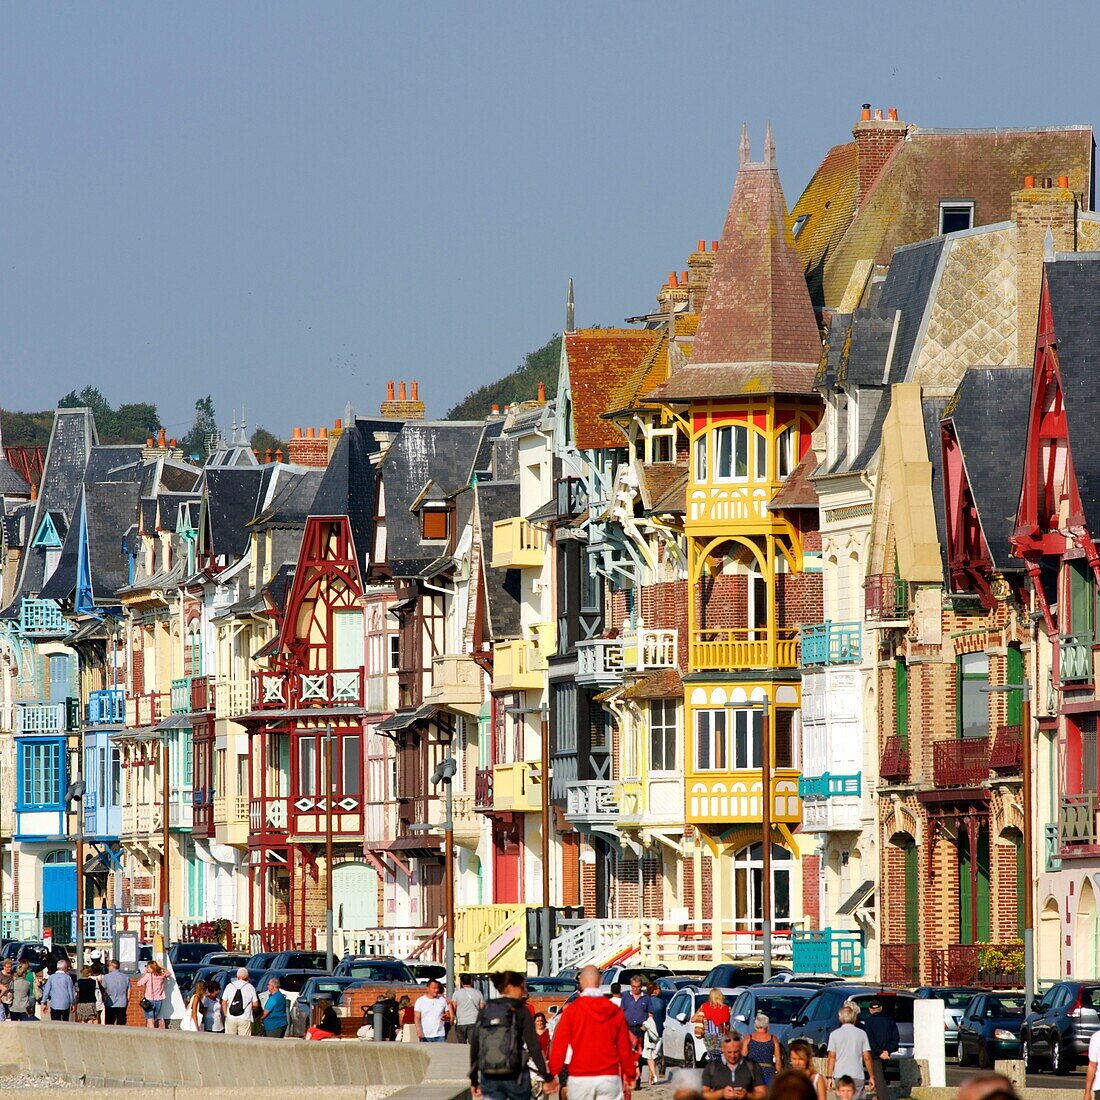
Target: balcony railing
[894,767]
[518,544]
[518,666]
[1075,657]
[1077,823]
[591,802]
[107,706]
[337,687]
[517,787]
[605,660]
[885,599]
[827,951]
[899,964]
[985,966]
[832,643]
[1007,754]
[1051,847]
[823,815]
[267,815]
[960,762]
[570,496]
[43,718]
[41,619]
[736,797]
[721,649]
[231,697]
[483,789]
[600,661]
[830,786]
[147,709]
[190,695]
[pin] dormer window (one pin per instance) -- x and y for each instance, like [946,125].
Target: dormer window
[956,215]
[434,524]
[799,225]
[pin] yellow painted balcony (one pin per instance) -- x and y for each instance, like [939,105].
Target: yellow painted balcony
[518,544]
[517,788]
[724,648]
[457,681]
[734,797]
[518,666]
[231,820]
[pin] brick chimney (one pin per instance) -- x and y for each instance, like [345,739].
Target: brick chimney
[405,406]
[1037,208]
[700,265]
[309,448]
[876,138]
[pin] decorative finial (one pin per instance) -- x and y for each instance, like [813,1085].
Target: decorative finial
[570,311]
[743,148]
[769,147]
[1048,246]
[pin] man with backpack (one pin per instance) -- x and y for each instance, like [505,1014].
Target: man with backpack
[239,1004]
[503,1041]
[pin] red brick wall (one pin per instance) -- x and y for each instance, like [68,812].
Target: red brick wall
[875,140]
[570,869]
[811,890]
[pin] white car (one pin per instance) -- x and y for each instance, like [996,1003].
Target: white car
[679,1043]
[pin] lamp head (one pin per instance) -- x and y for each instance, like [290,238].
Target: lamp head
[445,771]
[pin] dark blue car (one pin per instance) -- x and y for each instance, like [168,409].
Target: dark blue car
[989,1028]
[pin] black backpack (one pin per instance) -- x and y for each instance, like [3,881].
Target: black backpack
[500,1045]
[236,1004]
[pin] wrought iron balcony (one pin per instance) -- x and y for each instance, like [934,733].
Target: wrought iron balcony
[831,643]
[721,649]
[1075,657]
[830,786]
[960,762]
[106,706]
[483,790]
[894,767]
[41,619]
[885,599]
[190,695]
[984,966]
[827,951]
[591,803]
[518,544]
[1077,823]
[1007,754]
[899,964]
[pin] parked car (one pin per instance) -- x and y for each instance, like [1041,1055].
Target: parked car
[735,976]
[291,981]
[1059,1028]
[220,974]
[260,961]
[319,985]
[680,1043]
[36,955]
[225,958]
[955,1000]
[818,1016]
[424,972]
[623,974]
[989,1028]
[373,969]
[787,977]
[780,1004]
[673,983]
[186,958]
[300,960]
[541,986]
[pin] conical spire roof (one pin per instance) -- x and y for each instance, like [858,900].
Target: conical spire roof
[757,313]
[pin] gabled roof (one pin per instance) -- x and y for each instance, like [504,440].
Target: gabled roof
[293,500]
[233,493]
[499,500]
[989,408]
[598,361]
[757,330]
[653,368]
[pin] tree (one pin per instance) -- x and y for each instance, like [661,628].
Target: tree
[203,427]
[522,384]
[263,441]
[135,422]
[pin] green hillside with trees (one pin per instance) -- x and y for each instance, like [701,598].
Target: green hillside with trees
[521,385]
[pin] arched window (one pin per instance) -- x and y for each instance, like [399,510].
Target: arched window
[60,855]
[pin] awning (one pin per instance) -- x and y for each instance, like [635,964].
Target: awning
[547,513]
[863,894]
[402,605]
[145,733]
[268,716]
[266,649]
[665,684]
[405,718]
[174,722]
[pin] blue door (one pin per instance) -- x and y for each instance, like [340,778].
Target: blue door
[59,899]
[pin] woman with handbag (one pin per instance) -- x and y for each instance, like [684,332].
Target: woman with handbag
[193,1013]
[152,984]
[712,1023]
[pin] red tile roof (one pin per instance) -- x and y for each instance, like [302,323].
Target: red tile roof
[598,361]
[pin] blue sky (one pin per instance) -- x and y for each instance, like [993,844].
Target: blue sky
[287,204]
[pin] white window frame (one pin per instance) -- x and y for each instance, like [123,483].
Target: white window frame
[712,729]
[669,725]
[786,454]
[955,204]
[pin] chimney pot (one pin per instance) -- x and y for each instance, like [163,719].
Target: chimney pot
[309,433]
[337,425]
[714,246]
[702,246]
[256,453]
[495,410]
[149,441]
[878,114]
[672,278]
[267,455]
[279,455]
[322,433]
[296,434]
[865,113]
[389,391]
[1063,182]
[1029,181]
[542,391]
[401,392]
[160,438]
[171,443]
[892,114]
[684,277]
[416,390]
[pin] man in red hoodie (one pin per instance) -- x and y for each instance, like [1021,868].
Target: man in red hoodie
[602,1061]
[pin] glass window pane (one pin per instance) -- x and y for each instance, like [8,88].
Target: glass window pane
[307,765]
[351,767]
[702,740]
[701,458]
[723,454]
[741,453]
[761,471]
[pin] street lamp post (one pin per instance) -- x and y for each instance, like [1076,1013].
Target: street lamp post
[74,796]
[330,791]
[1025,799]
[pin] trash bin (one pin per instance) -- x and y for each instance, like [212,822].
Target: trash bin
[384,1019]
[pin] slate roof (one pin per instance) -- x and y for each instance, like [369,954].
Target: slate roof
[12,484]
[440,453]
[1073,284]
[798,490]
[499,500]
[105,458]
[989,407]
[757,330]
[293,500]
[232,495]
[653,368]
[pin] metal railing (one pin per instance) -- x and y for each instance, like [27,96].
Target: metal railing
[987,966]
[894,766]
[830,643]
[830,786]
[827,950]
[590,941]
[899,964]
[1007,753]
[960,762]
[885,598]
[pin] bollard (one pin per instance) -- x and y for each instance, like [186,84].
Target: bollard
[1015,1069]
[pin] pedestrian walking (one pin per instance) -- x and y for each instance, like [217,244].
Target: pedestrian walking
[466,1003]
[849,1051]
[116,994]
[502,1043]
[800,1055]
[152,985]
[7,982]
[192,1012]
[637,1009]
[212,1018]
[542,1033]
[240,1004]
[431,1014]
[884,1037]
[23,994]
[275,1015]
[712,1023]
[601,1060]
[58,993]
[653,1044]
[763,1048]
[89,1000]
[732,1076]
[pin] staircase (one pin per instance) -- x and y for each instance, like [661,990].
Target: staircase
[491,937]
[592,942]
